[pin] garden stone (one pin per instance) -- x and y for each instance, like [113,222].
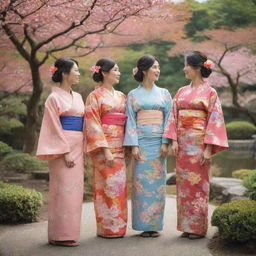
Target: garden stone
[16,179]
[225,189]
[40,175]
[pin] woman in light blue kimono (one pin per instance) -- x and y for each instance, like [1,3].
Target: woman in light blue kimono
[148,107]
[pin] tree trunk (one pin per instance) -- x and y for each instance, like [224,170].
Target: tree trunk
[32,109]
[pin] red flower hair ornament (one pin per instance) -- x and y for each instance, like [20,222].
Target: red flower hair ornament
[53,69]
[209,64]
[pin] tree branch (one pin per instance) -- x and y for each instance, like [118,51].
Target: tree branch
[71,27]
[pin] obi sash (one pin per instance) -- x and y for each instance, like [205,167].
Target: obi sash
[145,117]
[114,119]
[72,123]
[192,118]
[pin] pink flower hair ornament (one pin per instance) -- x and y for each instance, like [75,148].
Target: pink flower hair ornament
[134,70]
[209,64]
[95,69]
[53,69]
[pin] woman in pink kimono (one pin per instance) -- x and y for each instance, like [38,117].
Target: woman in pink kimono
[196,127]
[61,143]
[105,120]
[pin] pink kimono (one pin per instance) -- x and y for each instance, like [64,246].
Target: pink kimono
[196,120]
[66,184]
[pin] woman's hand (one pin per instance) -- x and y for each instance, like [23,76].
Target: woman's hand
[136,153]
[207,154]
[108,157]
[164,150]
[69,160]
[175,147]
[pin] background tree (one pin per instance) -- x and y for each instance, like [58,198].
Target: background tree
[235,64]
[39,28]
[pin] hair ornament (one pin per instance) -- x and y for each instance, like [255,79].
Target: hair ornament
[53,69]
[209,64]
[95,69]
[135,70]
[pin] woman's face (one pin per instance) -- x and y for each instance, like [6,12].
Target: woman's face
[113,76]
[152,74]
[190,72]
[73,76]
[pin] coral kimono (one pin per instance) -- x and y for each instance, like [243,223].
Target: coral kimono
[110,201]
[66,184]
[196,120]
[148,112]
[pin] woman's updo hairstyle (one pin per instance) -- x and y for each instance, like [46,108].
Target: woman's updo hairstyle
[104,65]
[62,65]
[197,59]
[143,64]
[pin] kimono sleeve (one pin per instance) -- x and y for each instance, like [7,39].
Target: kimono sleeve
[166,110]
[131,133]
[95,137]
[170,130]
[52,142]
[215,130]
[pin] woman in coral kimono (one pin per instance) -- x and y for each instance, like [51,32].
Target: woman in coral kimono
[148,109]
[61,143]
[105,120]
[196,127]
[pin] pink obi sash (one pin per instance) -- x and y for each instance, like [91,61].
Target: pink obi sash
[145,117]
[114,119]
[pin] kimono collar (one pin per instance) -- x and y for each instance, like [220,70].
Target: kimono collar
[103,89]
[203,83]
[153,87]
[61,91]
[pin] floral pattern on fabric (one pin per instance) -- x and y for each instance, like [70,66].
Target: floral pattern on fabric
[110,202]
[148,192]
[196,120]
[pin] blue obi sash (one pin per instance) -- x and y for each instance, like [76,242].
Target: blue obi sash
[72,123]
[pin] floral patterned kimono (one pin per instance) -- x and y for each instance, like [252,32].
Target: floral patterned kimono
[110,200]
[149,175]
[196,120]
[66,184]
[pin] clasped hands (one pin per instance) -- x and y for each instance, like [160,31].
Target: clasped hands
[138,156]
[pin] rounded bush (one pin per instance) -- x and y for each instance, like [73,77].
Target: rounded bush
[18,204]
[4,149]
[250,183]
[23,162]
[236,221]
[240,130]
[241,173]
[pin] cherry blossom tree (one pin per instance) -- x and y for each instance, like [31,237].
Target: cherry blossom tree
[37,29]
[235,63]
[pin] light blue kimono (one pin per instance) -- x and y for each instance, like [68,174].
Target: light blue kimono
[148,193]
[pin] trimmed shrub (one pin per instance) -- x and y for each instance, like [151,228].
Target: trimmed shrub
[18,204]
[240,130]
[23,162]
[236,221]
[241,173]
[4,150]
[250,183]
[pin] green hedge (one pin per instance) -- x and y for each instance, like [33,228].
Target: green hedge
[250,183]
[239,130]
[241,173]
[23,162]
[236,221]
[18,204]
[4,150]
